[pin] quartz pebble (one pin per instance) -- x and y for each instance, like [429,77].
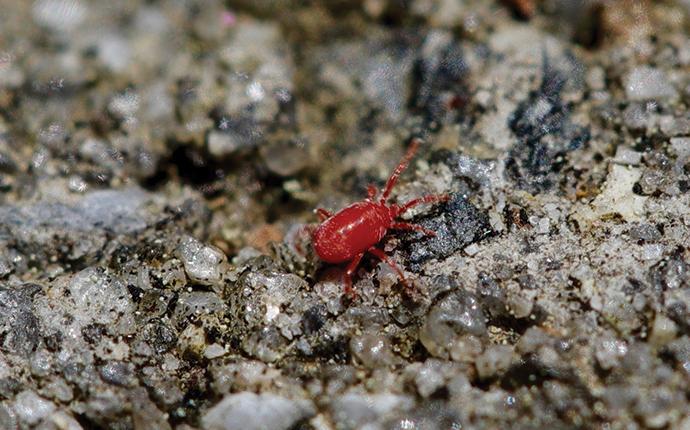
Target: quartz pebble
[645,82]
[203,263]
[256,412]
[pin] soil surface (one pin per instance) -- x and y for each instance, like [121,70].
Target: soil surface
[160,163]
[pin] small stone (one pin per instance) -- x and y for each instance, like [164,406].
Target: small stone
[652,251]
[456,314]
[617,196]
[221,144]
[466,349]
[193,340]
[532,340]
[495,360]
[118,373]
[249,411]
[125,106]
[639,359]
[372,350]
[354,410]
[60,420]
[520,306]
[637,116]
[645,83]
[471,250]
[7,163]
[203,264]
[543,226]
[101,298]
[19,326]
[645,232]
[675,126]
[681,146]
[596,78]
[32,408]
[191,306]
[627,156]
[669,274]
[77,184]
[114,51]
[430,377]
[457,223]
[664,330]
[214,351]
[285,157]
[680,348]
[59,15]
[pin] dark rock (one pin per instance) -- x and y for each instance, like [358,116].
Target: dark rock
[457,223]
[19,326]
[545,135]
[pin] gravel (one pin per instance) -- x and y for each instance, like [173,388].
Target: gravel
[160,163]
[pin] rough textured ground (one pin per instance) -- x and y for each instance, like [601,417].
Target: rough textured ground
[159,161]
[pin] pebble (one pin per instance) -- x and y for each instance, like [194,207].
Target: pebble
[648,83]
[372,350]
[430,377]
[250,411]
[114,52]
[59,15]
[494,361]
[675,126]
[454,315]
[664,330]
[681,146]
[202,263]
[285,158]
[627,156]
[221,144]
[353,410]
[609,352]
[101,298]
[617,197]
[32,408]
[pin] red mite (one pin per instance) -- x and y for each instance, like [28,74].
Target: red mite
[349,234]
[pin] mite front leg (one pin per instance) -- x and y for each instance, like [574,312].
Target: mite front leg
[351,267]
[386,259]
[434,198]
[323,214]
[412,227]
[414,145]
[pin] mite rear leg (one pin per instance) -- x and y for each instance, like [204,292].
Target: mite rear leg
[323,214]
[386,259]
[298,239]
[412,227]
[349,271]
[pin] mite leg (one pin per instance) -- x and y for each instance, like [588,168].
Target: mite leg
[323,214]
[414,227]
[386,259]
[351,267]
[371,192]
[398,170]
[296,238]
[434,198]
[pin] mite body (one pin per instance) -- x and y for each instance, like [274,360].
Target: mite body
[352,231]
[355,230]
